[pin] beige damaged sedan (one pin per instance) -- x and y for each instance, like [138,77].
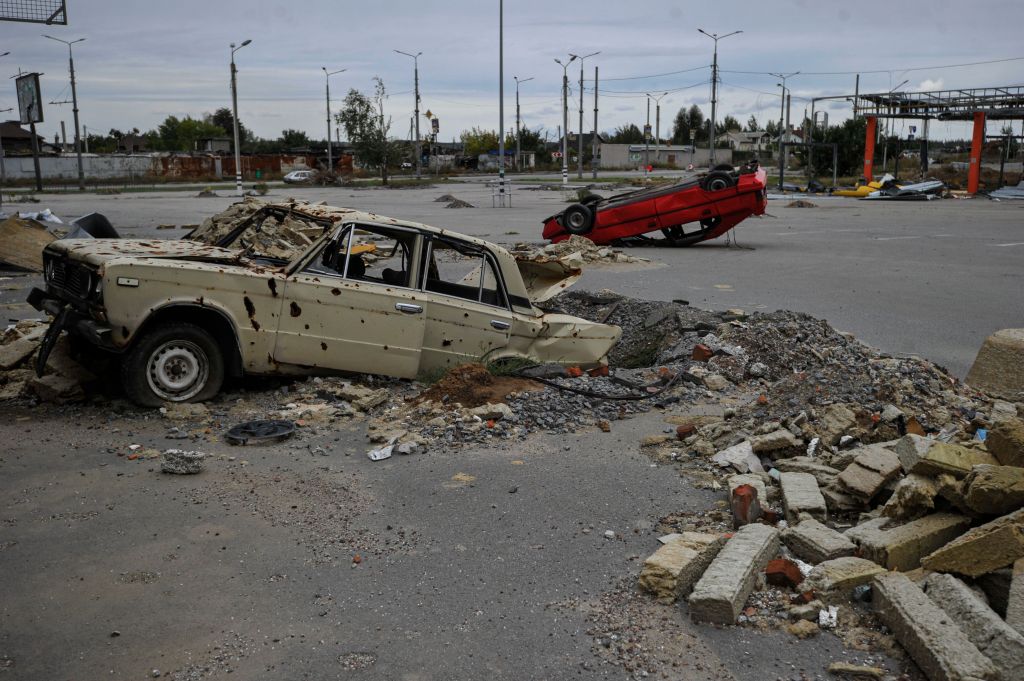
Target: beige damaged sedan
[369,294]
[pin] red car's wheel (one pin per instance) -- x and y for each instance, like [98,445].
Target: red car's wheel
[577,219]
[717,181]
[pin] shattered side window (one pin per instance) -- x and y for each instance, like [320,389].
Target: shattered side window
[380,256]
[462,272]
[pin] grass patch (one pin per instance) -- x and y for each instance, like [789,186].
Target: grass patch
[509,366]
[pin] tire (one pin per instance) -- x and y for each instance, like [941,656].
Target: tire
[174,362]
[577,219]
[591,199]
[717,180]
[724,167]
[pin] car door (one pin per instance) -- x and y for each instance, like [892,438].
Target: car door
[350,306]
[468,316]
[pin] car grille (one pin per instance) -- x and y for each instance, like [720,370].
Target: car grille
[69,278]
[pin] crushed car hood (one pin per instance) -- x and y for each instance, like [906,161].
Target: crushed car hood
[96,251]
[545,279]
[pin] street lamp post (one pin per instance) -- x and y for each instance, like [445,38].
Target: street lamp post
[657,122]
[714,89]
[579,161]
[234,107]
[74,106]
[519,150]
[3,170]
[416,104]
[327,77]
[565,116]
[782,118]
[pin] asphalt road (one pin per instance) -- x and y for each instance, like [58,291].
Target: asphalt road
[932,279]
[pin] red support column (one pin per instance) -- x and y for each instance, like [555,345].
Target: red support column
[869,146]
[974,170]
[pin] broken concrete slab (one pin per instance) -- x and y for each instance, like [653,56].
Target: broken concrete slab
[983,549]
[902,547]
[56,389]
[1006,442]
[740,457]
[720,594]
[815,542]
[800,494]
[994,490]
[834,421]
[825,475]
[870,471]
[933,640]
[927,456]
[999,367]
[18,350]
[913,497]
[839,576]
[996,639]
[839,501]
[671,571]
[181,462]
[1015,598]
[777,443]
[22,241]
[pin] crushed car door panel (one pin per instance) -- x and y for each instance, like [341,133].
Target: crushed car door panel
[468,312]
[350,308]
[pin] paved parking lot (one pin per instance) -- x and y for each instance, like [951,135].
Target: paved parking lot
[924,278]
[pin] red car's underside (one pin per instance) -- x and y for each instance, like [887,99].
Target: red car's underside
[671,210]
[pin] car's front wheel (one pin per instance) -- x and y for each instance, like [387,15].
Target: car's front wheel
[173,363]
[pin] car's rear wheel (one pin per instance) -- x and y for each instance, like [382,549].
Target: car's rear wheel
[578,219]
[717,180]
[173,363]
[724,167]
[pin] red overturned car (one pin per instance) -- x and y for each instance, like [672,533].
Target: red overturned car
[685,212]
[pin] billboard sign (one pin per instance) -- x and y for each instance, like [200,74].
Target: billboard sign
[30,105]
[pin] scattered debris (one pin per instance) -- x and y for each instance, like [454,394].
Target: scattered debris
[181,462]
[575,249]
[22,240]
[801,203]
[459,203]
[260,432]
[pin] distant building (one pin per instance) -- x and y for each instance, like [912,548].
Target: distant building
[16,140]
[132,144]
[745,141]
[214,145]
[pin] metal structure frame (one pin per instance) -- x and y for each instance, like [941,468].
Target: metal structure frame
[969,104]
[48,12]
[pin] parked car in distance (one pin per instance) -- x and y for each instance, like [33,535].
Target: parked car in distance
[407,165]
[717,201]
[364,294]
[300,176]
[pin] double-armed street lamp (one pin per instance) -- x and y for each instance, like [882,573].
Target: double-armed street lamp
[74,106]
[327,77]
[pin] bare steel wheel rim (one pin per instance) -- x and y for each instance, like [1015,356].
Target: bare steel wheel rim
[177,370]
[718,185]
[577,220]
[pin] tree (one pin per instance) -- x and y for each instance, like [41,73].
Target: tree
[681,127]
[695,120]
[626,134]
[729,124]
[772,128]
[225,120]
[294,139]
[367,129]
[753,125]
[476,141]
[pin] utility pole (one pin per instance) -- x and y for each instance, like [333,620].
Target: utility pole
[593,136]
[501,109]
[657,122]
[416,105]
[565,116]
[579,161]
[74,107]
[327,77]
[234,107]
[647,140]
[783,121]
[714,89]
[519,134]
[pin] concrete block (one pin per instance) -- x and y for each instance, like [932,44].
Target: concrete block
[825,475]
[800,494]
[994,490]
[926,456]
[996,639]
[776,442]
[1006,442]
[834,421]
[727,583]
[740,457]
[913,497]
[840,575]
[985,548]
[671,571]
[929,635]
[999,367]
[814,542]
[840,502]
[902,547]
[1015,598]
[870,472]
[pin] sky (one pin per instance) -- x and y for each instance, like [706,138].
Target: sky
[144,60]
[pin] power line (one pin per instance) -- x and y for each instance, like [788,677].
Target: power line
[661,75]
[892,70]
